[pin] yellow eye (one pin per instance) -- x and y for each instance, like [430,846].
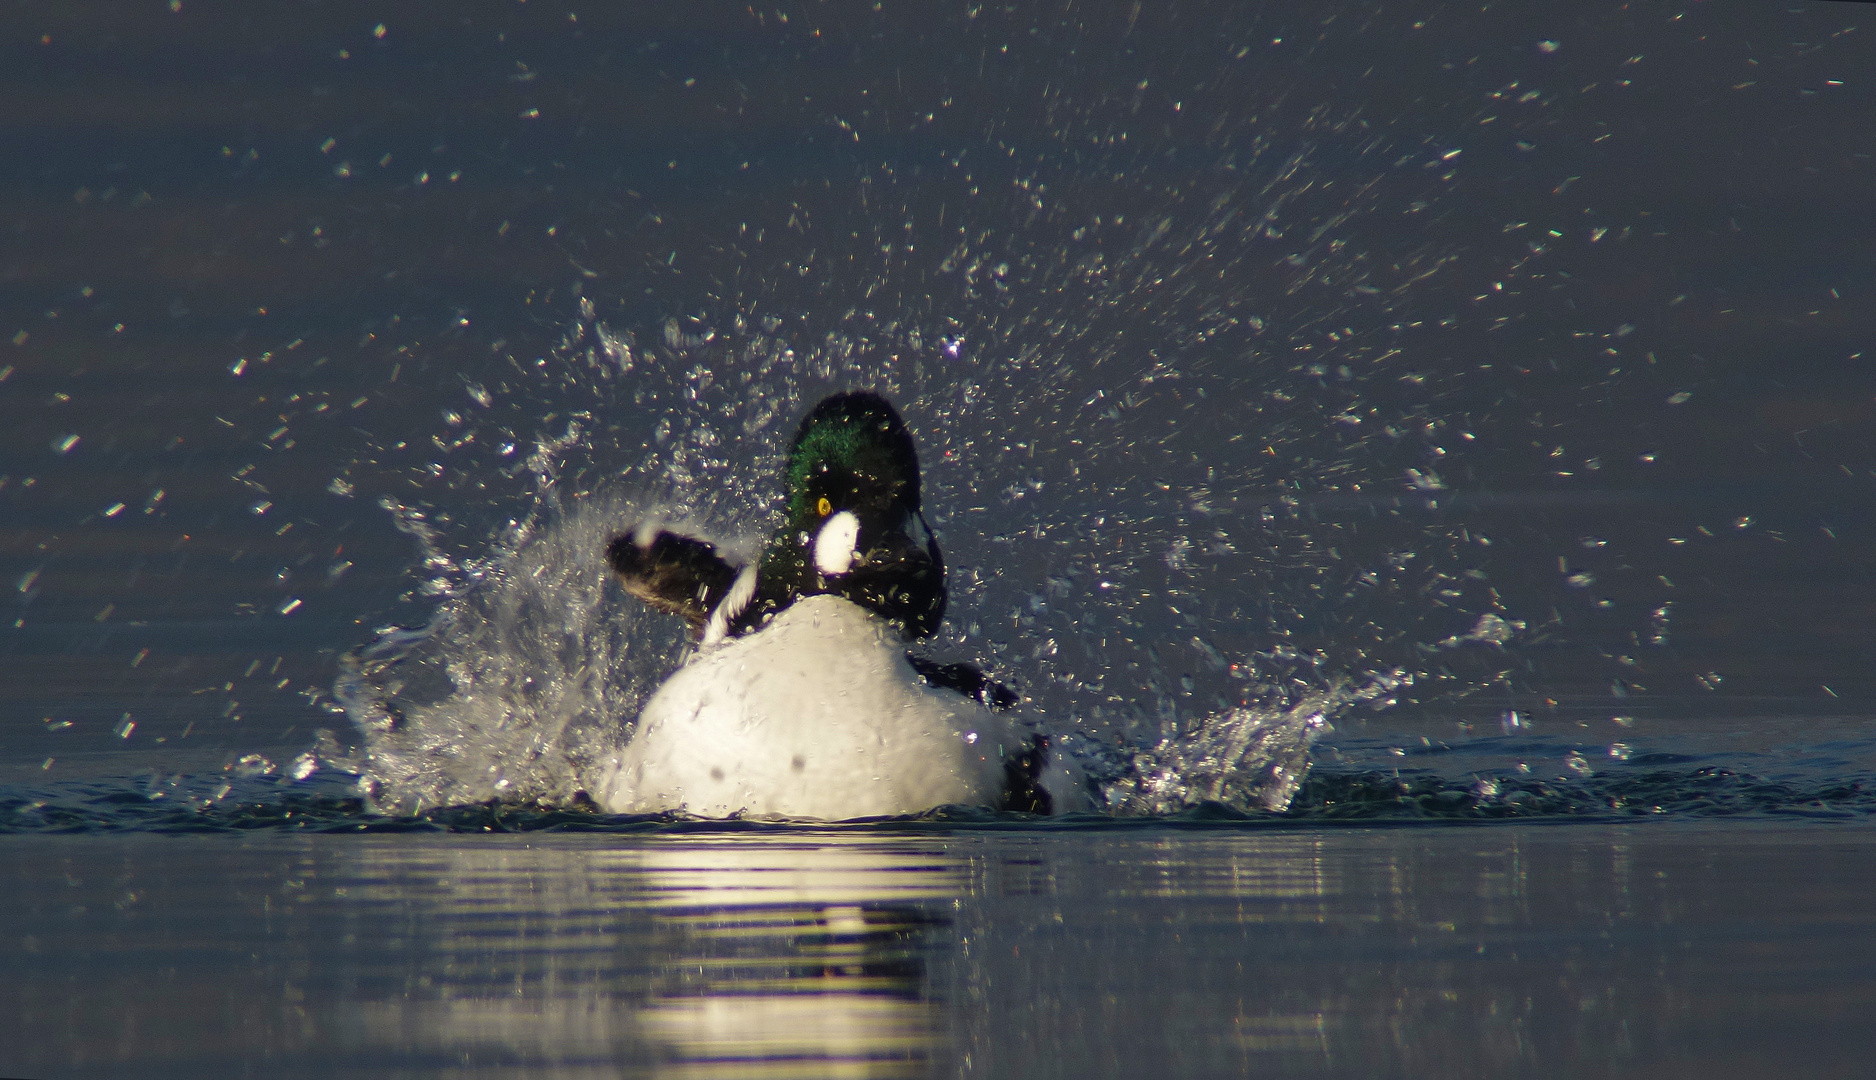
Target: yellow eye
[825,507]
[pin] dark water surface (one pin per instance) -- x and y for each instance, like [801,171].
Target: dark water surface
[1490,383]
[1503,951]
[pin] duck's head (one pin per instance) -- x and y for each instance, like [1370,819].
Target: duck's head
[854,525]
[851,454]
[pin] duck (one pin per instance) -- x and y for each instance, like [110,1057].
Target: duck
[801,698]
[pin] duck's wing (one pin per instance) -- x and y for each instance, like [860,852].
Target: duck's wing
[1021,772]
[966,679]
[680,575]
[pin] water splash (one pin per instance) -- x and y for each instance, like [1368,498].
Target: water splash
[526,680]
[1246,759]
[1191,453]
[513,688]
[531,669]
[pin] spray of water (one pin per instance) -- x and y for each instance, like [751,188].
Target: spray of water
[1186,438]
[527,678]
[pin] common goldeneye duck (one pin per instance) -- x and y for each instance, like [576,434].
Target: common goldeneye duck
[802,699]
[854,528]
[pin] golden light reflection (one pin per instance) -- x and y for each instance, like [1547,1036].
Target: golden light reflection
[809,956]
[725,956]
[745,871]
[815,953]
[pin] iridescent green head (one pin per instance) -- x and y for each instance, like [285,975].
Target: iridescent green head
[851,453]
[854,527]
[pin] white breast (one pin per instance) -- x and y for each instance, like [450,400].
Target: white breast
[816,715]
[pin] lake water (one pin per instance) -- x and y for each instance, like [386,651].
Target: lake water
[1475,400]
[1193,950]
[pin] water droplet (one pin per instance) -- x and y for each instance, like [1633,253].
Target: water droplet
[249,765]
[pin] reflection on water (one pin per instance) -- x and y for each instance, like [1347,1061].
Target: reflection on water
[795,959]
[1027,952]
[712,956]
[731,956]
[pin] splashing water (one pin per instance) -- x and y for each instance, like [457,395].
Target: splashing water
[515,686]
[526,679]
[528,671]
[1246,758]
[1118,550]
[1190,454]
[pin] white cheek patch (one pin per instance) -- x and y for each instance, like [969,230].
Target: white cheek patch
[833,548]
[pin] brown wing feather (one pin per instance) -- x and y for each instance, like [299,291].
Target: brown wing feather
[679,575]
